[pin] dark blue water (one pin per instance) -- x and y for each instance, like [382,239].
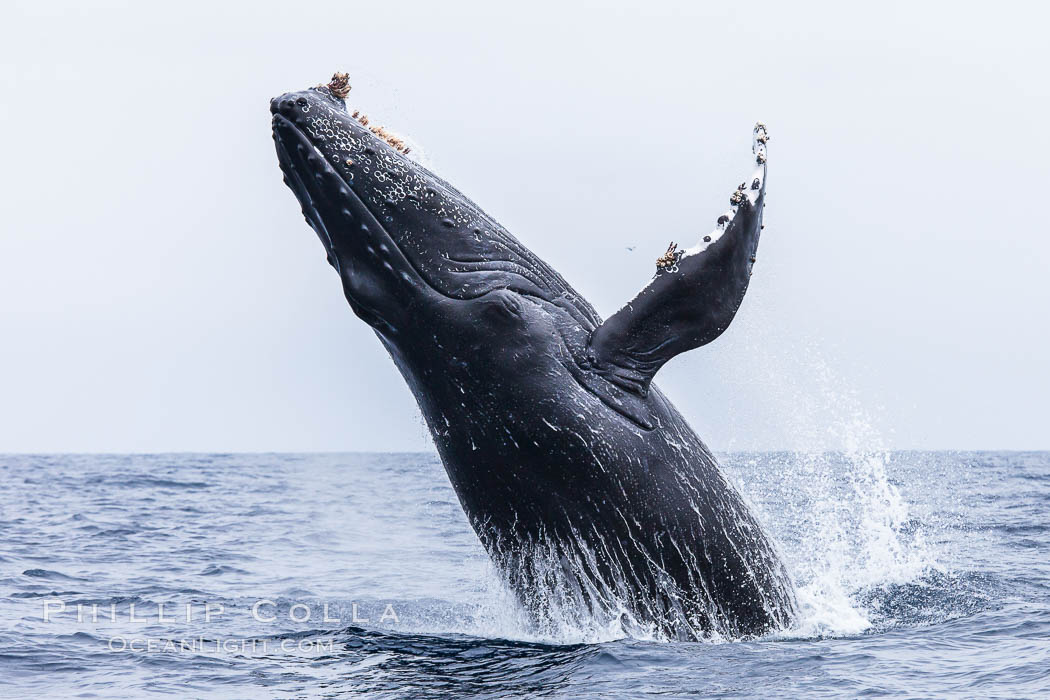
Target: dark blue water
[920,575]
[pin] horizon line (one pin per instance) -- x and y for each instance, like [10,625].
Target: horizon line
[147,453]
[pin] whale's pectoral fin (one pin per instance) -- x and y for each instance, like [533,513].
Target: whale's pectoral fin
[693,296]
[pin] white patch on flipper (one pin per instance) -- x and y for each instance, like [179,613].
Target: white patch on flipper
[759,137]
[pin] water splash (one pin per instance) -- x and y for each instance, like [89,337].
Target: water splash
[563,623]
[854,534]
[841,523]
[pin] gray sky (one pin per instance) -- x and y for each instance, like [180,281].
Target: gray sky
[160,291]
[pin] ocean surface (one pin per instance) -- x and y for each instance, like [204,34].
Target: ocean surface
[334,575]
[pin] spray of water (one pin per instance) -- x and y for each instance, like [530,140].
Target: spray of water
[842,525]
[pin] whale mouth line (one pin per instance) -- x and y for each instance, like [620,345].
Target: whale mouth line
[296,180]
[298,170]
[283,122]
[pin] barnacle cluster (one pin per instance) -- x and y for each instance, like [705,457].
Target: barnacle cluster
[339,85]
[669,258]
[391,138]
[386,178]
[761,139]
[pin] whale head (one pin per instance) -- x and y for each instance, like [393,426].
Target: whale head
[420,262]
[398,234]
[434,275]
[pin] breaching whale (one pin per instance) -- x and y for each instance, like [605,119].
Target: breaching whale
[586,486]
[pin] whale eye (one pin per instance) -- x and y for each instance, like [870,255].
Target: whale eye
[503,306]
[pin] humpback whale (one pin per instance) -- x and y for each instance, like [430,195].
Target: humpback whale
[586,486]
